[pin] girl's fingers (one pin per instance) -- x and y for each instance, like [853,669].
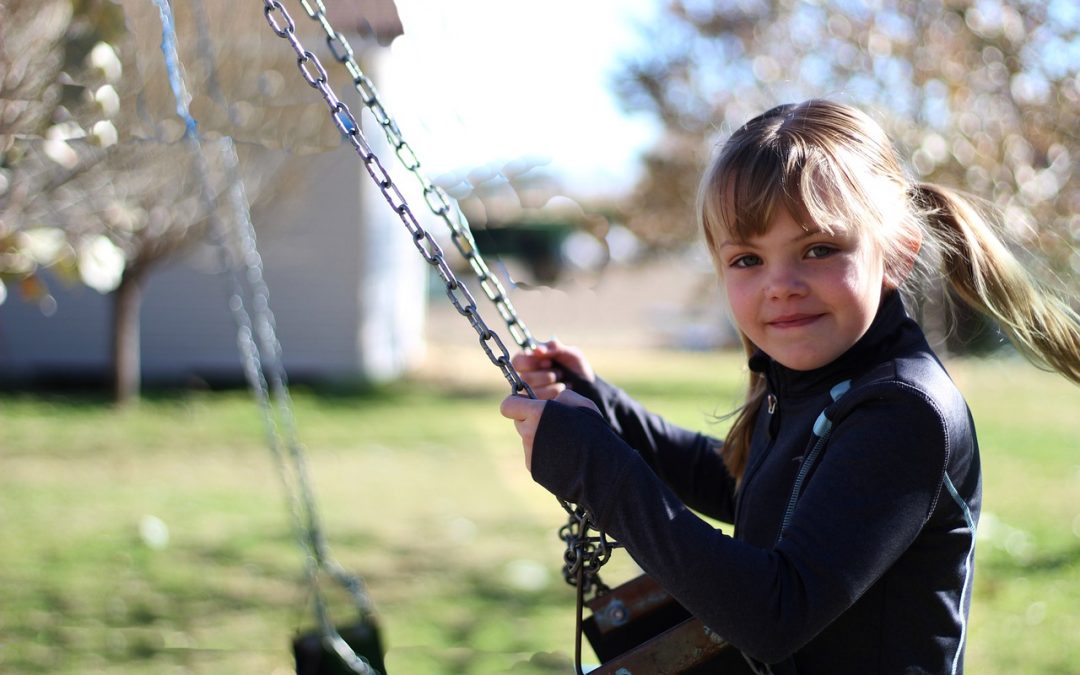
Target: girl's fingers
[521,361]
[539,378]
[526,414]
[527,361]
[544,383]
[520,408]
[567,357]
[546,393]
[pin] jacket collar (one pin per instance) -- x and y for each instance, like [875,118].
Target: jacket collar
[890,330]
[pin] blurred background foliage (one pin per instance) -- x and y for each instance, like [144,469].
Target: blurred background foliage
[95,184]
[979,95]
[982,95]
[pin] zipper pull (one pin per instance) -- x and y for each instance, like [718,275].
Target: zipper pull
[774,416]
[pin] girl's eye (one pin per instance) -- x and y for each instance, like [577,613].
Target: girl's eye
[744,261]
[820,251]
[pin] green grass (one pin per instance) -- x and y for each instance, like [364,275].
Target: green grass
[422,490]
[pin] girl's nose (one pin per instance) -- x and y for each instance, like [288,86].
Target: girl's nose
[784,282]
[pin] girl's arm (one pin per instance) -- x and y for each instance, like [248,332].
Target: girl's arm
[869,498]
[688,461]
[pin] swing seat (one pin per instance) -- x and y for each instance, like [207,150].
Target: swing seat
[638,628]
[629,615]
[315,658]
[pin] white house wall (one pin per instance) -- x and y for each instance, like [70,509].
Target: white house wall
[72,344]
[310,251]
[347,288]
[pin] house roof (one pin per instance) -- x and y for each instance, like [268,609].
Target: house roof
[376,19]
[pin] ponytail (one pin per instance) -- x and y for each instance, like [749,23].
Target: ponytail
[988,278]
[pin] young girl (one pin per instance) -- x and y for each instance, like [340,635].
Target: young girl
[851,474]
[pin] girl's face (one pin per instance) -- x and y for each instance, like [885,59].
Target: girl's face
[800,295]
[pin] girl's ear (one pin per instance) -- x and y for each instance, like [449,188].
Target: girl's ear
[907,252]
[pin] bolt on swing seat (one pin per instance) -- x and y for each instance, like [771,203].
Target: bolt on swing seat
[629,615]
[637,628]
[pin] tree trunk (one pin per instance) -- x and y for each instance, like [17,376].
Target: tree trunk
[127,366]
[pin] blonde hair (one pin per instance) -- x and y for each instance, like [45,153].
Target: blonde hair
[832,165]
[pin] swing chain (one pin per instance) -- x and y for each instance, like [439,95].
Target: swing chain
[592,553]
[267,377]
[347,124]
[437,200]
[261,359]
[581,550]
[584,552]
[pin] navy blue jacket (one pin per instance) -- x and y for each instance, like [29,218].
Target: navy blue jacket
[872,574]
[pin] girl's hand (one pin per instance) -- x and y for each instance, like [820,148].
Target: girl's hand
[526,414]
[540,367]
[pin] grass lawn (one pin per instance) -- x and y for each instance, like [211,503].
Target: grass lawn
[156,539]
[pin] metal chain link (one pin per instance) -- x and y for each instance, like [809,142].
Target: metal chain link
[269,347]
[236,247]
[437,200]
[583,552]
[263,363]
[315,75]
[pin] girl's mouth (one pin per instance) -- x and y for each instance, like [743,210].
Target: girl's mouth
[793,320]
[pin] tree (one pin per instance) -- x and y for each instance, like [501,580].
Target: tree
[983,95]
[95,182]
[57,70]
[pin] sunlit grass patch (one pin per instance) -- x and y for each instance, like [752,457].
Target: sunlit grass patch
[157,539]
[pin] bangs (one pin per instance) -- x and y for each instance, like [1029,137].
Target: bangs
[747,187]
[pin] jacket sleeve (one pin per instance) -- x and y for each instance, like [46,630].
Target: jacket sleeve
[687,461]
[867,501]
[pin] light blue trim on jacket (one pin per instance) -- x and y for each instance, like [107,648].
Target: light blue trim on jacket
[968,564]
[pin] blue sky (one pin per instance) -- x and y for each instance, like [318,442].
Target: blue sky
[486,82]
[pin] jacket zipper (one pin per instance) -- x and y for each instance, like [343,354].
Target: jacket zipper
[773,426]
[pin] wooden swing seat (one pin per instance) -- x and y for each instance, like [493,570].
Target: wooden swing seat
[637,628]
